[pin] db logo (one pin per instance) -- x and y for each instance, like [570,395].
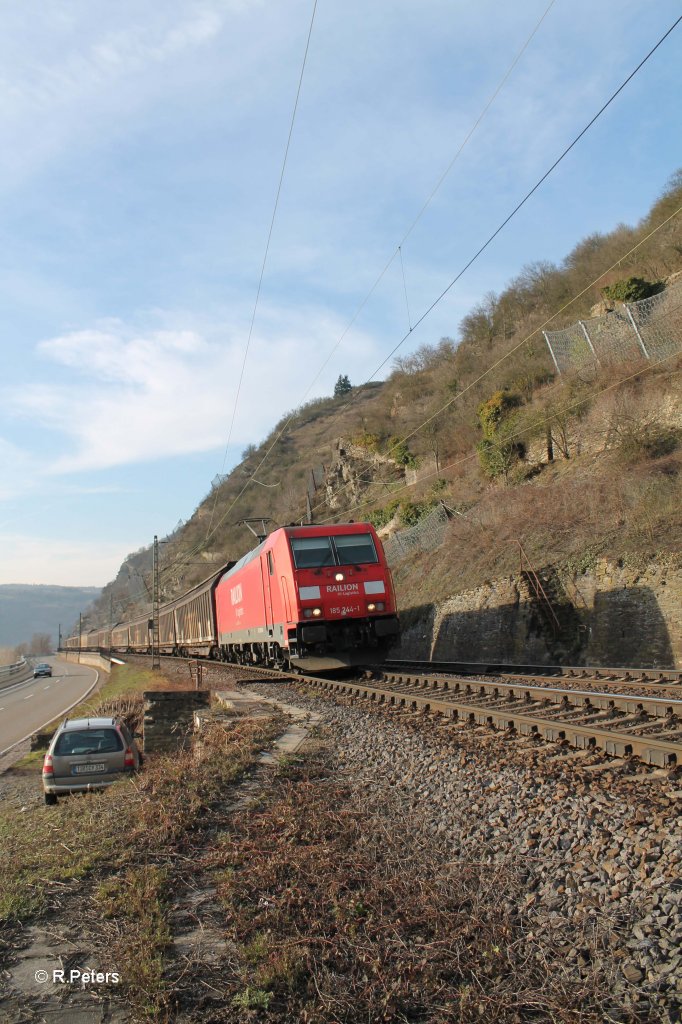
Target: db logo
[236,594]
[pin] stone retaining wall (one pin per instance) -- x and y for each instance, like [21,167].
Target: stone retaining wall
[620,616]
[169,718]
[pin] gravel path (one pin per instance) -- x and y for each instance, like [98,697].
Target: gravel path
[597,843]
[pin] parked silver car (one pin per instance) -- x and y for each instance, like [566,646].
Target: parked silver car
[88,753]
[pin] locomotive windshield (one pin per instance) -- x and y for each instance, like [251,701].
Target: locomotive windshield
[350,549]
[312,552]
[355,549]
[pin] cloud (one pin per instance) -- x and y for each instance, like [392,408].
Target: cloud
[67,73]
[135,396]
[78,563]
[92,55]
[19,470]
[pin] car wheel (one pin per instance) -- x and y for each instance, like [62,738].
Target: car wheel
[50,799]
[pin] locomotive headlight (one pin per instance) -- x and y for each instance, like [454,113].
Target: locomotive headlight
[308,612]
[380,606]
[371,607]
[339,577]
[317,611]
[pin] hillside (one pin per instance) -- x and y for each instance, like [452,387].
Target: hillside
[574,466]
[26,610]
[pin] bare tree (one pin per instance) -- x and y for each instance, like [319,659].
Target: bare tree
[41,643]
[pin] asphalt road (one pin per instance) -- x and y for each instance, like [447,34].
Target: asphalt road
[28,706]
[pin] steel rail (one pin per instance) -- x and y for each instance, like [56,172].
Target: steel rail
[650,749]
[658,706]
[443,697]
[623,674]
[525,710]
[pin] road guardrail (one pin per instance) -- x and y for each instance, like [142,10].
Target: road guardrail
[8,670]
[15,673]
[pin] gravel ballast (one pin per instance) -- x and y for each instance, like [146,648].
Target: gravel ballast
[597,843]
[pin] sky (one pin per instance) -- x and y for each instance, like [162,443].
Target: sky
[142,149]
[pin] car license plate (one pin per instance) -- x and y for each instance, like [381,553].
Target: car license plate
[87,769]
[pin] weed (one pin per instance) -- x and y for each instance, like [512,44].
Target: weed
[286,763]
[285,972]
[252,999]
[256,950]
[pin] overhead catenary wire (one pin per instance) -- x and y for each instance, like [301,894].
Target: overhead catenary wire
[518,207]
[397,251]
[542,420]
[347,405]
[515,348]
[267,250]
[470,262]
[392,484]
[407,302]
[524,341]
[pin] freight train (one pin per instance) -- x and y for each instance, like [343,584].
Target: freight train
[313,597]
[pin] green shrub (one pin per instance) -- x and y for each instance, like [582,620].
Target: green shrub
[411,512]
[368,440]
[492,412]
[399,452]
[382,516]
[631,289]
[498,451]
[498,457]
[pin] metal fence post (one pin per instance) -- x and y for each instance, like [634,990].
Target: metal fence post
[636,330]
[551,352]
[589,340]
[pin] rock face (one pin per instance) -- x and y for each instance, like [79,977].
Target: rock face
[346,479]
[596,844]
[608,615]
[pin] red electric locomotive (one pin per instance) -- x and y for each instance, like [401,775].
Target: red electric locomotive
[318,597]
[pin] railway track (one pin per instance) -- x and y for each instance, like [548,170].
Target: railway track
[618,721]
[535,673]
[622,725]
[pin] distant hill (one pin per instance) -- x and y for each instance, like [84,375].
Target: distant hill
[26,609]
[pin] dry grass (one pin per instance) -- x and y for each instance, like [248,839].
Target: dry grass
[109,830]
[7,656]
[342,911]
[335,907]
